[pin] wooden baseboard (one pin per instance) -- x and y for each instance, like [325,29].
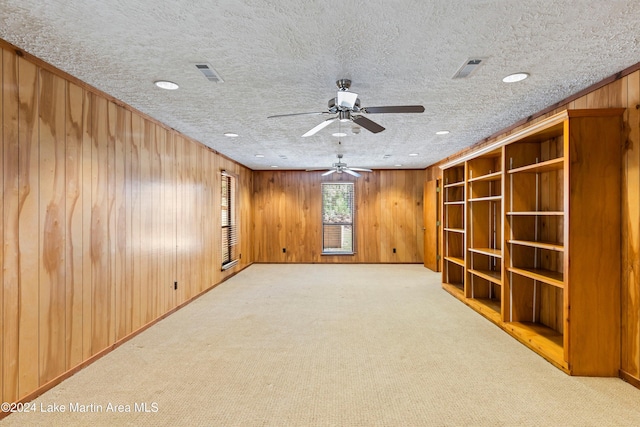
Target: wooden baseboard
[634,381]
[54,382]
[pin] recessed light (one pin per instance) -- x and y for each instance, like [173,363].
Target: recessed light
[386,156]
[413,155]
[397,165]
[339,134]
[516,77]
[260,155]
[274,166]
[442,132]
[231,134]
[165,84]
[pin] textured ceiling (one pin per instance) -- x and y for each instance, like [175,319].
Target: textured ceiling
[279,57]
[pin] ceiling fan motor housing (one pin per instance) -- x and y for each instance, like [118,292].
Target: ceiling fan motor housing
[334,107]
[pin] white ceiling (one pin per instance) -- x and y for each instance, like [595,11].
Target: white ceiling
[279,57]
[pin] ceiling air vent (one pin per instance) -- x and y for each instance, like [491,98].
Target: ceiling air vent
[469,67]
[208,71]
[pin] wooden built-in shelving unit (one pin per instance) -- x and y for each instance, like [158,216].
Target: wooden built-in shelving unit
[531,237]
[454,229]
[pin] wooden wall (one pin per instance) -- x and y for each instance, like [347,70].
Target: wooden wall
[287,214]
[623,90]
[102,211]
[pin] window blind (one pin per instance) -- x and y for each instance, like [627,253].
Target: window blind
[229,222]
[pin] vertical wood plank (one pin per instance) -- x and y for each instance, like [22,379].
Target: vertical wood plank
[2,237]
[87,189]
[181,197]
[598,98]
[198,219]
[99,251]
[74,218]
[386,216]
[120,219]
[145,223]
[29,246]
[152,216]
[52,284]
[170,206]
[137,142]
[111,240]
[630,284]
[13,197]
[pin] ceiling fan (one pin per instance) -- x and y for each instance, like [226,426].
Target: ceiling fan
[346,107]
[340,167]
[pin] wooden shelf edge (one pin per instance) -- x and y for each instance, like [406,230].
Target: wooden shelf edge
[486,199]
[454,230]
[494,176]
[497,253]
[549,277]
[541,245]
[454,184]
[536,213]
[546,166]
[542,340]
[455,260]
[457,202]
[487,276]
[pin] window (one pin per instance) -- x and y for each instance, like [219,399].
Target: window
[337,218]
[229,222]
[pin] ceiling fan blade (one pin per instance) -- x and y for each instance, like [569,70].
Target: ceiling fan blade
[320,126]
[299,114]
[329,172]
[394,109]
[350,172]
[369,125]
[361,169]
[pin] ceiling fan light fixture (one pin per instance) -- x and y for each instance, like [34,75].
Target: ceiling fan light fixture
[347,99]
[515,77]
[166,84]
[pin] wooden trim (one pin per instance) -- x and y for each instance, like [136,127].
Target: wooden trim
[629,378]
[57,380]
[324,263]
[46,66]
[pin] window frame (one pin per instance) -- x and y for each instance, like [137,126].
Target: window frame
[352,224]
[229,230]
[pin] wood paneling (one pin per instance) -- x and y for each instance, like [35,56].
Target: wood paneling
[11,208]
[99,217]
[28,220]
[288,215]
[430,219]
[52,220]
[630,290]
[74,220]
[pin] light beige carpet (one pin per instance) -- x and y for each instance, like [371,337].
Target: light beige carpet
[331,345]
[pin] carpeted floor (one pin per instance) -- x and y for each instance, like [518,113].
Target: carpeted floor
[330,345]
